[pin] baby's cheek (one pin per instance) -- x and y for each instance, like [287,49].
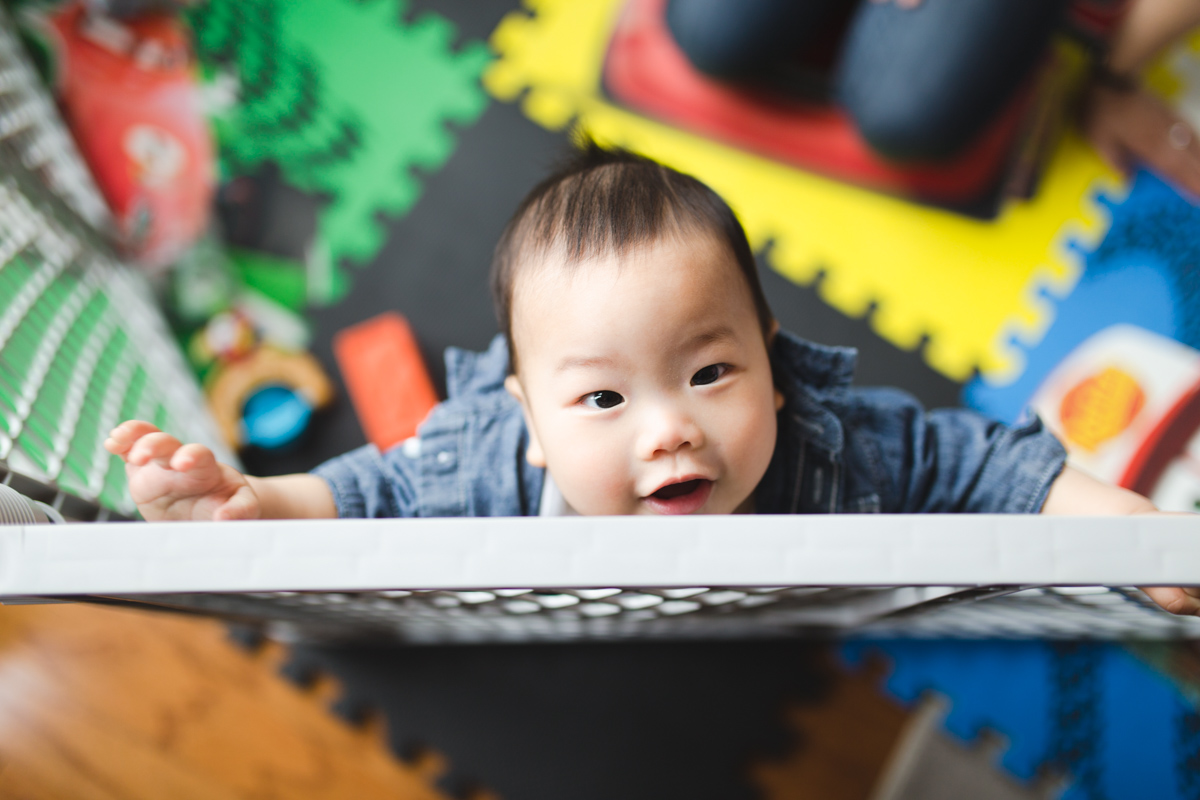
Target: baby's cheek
[593,477]
[753,440]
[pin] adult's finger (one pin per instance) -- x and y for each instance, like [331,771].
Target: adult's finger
[1179,165]
[1110,149]
[1165,143]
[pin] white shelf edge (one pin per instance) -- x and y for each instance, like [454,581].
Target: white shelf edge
[577,552]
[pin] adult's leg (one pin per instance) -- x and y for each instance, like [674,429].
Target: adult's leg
[923,83]
[746,40]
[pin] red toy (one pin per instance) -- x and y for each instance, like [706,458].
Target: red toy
[385,377]
[128,94]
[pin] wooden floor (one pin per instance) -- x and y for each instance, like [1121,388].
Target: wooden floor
[843,744]
[110,704]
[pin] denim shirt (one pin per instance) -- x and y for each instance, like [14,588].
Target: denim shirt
[839,449]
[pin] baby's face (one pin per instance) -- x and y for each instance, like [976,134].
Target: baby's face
[645,380]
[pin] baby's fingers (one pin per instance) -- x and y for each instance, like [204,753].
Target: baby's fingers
[125,435]
[157,446]
[191,457]
[1176,600]
[242,505]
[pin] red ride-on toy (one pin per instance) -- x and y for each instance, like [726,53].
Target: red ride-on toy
[645,70]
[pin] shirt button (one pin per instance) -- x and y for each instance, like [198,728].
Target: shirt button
[444,457]
[411,447]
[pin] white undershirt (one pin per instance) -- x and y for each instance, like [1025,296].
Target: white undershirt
[553,504]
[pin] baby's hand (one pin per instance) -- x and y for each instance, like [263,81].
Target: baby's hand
[173,481]
[1185,601]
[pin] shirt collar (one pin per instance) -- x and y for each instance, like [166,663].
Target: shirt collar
[818,366]
[468,372]
[811,376]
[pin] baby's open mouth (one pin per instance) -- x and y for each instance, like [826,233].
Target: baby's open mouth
[674,490]
[684,497]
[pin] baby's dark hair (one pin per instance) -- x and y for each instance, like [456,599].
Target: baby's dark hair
[606,201]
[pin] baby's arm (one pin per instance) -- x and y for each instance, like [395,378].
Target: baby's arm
[173,481]
[1075,492]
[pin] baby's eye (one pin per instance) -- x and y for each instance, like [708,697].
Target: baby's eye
[602,400]
[709,374]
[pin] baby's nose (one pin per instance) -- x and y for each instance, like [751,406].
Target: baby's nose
[667,428]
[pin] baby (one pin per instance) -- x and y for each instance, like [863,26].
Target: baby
[640,371]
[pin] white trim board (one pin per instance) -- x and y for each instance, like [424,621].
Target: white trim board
[466,553]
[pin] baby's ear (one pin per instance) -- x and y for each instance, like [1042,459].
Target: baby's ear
[772,332]
[534,455]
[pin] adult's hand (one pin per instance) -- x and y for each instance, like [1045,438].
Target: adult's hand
[1131,126]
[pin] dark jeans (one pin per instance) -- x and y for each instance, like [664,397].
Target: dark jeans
[920,84]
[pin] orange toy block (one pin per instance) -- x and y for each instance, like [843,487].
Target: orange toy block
[385,377]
